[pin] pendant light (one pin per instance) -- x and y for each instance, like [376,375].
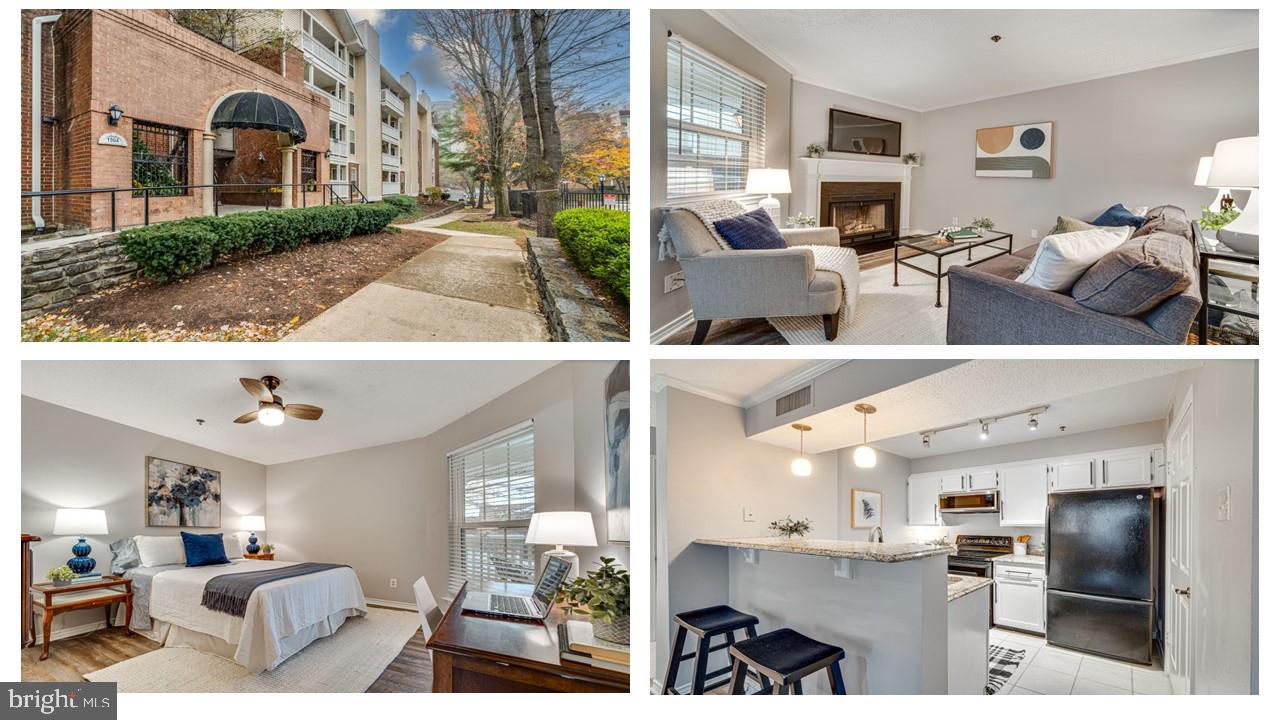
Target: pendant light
[864,456]
[801,467]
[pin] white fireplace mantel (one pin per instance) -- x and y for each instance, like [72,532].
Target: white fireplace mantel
[812,172]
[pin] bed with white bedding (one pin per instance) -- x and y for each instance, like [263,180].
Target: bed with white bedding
[282,617]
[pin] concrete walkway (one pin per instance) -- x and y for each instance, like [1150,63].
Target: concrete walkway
[469,288]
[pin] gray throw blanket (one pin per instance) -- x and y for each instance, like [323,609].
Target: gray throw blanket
[230,593]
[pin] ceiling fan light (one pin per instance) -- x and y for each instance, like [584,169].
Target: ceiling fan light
[801,467]
[864,456]
[270,414]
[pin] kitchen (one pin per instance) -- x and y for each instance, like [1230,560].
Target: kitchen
[1060,494]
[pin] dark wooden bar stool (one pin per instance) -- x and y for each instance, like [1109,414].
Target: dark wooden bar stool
[707,624]
[784,657]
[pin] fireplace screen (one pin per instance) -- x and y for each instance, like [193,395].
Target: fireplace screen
[860,217]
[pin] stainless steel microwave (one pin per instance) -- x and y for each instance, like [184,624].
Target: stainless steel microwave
[979,502]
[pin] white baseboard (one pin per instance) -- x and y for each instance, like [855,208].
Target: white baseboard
[393,604]
[661,335]
[74,630]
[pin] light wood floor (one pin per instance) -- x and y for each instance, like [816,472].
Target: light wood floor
[70,659]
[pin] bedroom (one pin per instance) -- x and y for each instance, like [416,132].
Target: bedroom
[344,537]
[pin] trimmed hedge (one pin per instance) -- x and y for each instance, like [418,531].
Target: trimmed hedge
[599,241]
[171,250]
[403,203]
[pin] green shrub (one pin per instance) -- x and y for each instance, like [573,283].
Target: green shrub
[403,203]
[373,217]
[599,241]
[171,250]
[434,195]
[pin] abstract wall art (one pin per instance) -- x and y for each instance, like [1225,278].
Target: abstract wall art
[865,509]
[617,438]
[181,495]
[1015,151]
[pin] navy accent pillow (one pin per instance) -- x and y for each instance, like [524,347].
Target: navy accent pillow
[204,549]
[1117,216]
[751,231]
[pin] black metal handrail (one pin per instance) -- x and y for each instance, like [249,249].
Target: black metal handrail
[146,194]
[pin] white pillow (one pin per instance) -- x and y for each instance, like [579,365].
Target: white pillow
[231,544]
[160,550]
[1061,259]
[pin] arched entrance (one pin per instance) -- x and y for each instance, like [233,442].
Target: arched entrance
[250,140]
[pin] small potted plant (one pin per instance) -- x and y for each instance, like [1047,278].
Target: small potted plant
[815,150]
[788,528]
[983,223]
[911,158]
[800,220]
[1211,221]
[266,549]
[61,575]
[605,595]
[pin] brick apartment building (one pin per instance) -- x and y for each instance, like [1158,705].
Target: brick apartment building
[130,99]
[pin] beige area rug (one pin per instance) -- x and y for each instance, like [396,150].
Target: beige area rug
[348,661]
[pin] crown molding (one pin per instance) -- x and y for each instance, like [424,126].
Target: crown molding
[792,381]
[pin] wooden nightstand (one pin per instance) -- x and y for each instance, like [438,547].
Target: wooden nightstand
[51,601]
[260,556]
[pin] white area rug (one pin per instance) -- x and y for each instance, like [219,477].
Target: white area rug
[348,661]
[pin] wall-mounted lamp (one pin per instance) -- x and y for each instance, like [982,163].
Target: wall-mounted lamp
[114,113]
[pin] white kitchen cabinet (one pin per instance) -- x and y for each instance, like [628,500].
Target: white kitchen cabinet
[983,479]
[1024,494]
[922,500]
[1019,598]
[1071,474]
[952,482]
[1125,469]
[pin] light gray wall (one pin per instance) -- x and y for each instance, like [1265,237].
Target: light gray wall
[384,510]
[700,29]
[1132,138]
[70,459]
[889,478]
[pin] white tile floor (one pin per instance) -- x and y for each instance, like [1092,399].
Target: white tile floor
[1055,671]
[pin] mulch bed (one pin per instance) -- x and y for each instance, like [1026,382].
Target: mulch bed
[266,296]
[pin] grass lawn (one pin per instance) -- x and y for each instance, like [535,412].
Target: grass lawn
[509,229]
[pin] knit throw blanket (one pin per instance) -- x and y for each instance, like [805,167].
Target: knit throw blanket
[708,211]
[808,330]
[230,593]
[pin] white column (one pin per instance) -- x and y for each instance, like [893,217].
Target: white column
[206,171]
[286,176]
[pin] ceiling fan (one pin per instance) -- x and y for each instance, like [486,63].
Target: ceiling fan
[271,408]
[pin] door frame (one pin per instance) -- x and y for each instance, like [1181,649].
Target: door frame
[1183,408]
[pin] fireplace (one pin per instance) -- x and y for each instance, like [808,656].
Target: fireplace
[865,213]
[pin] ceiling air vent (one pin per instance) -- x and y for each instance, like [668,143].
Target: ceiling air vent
[793,401]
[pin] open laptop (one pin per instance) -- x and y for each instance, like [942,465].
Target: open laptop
[522,607]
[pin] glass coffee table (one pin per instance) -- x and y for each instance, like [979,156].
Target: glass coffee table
[933,244]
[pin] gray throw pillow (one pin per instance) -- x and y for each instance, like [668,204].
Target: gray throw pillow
[1171,225]
[1137,276]
[124,556]
[1070,224]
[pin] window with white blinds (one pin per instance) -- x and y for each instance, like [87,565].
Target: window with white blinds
[715,124]
[491,498]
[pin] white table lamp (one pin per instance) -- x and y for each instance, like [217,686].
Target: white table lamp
[1235,165]
[80,522]
[254,524]
[769,181]
[560,529]
[1223,200]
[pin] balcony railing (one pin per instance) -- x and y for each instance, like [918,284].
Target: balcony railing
[390,133]
[390,160]
[337,107]
[338,148]
[390,188]
[393,101]
[324,56]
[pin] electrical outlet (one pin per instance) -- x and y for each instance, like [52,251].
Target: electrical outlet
[748,515]
[1224,504]
[673,282]
[1034,233]
[394,583]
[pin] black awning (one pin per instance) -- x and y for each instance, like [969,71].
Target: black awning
[258,111]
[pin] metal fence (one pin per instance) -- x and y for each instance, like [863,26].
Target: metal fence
[525,202]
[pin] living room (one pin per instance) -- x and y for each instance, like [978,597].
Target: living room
[981,189]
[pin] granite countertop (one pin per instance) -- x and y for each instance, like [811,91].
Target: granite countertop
[1033,560]
[854,550]
[960,585]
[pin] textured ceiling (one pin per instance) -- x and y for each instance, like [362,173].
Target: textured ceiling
[366,403]
[930,59]
[731,381]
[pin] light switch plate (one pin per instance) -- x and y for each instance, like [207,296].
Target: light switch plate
[748,515]
[1224,504]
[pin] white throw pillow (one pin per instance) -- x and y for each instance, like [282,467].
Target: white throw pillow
[231,544]
[156,550]
[1061,259]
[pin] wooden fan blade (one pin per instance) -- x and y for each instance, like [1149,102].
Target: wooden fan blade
[303,412]
[247,417]
[255,388]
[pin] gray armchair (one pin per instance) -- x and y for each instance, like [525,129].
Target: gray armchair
[734,284]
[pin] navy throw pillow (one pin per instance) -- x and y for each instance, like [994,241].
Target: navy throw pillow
[1117,216]
[751,231]
[204,549]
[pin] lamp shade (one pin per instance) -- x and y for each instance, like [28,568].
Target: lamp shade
[253,523]
[1202,171]
[768,181]
[1235,163]
[562,528]
[68,521]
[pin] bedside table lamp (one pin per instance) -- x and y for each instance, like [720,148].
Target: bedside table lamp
[69,521]
[1235,165]
[254,524]
[560,529]
[769,181]
[1223,199]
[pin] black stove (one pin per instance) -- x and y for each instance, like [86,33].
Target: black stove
[973,557]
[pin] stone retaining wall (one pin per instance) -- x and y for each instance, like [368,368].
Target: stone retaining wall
[54,274]
[573,310]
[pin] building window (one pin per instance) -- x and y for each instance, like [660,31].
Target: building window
[491,498]
[310,162]
[715,124]
[160,158]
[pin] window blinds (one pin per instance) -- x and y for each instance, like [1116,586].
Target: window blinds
[715,124]
[491,498]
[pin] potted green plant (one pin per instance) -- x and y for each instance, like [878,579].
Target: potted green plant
[911,158]
[787,528]
[267,548]
[815,150]
[800,220]
[605,595]
[1211,221]
[61,575]
[983,223]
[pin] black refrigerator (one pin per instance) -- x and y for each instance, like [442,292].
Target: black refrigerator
[1103,572]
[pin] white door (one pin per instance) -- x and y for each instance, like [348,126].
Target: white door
[952,482]
[984,479]
[922,500]
[1024,494]
[1179,537]
[1074,474]
[1020,604]
[1125,469]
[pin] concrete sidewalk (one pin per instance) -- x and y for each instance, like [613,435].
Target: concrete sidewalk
[469,288]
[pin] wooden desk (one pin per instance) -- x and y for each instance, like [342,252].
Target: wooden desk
[472,653]
[28,615]
[55,600]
